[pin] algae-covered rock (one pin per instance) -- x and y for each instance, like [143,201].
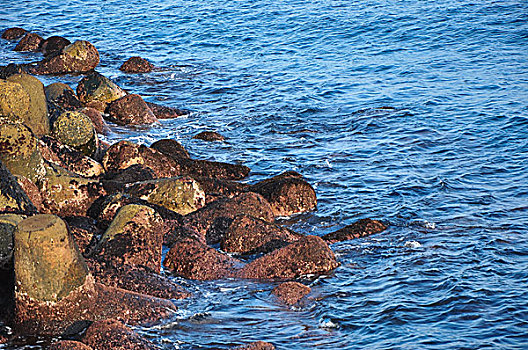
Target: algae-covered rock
[63,96]
[13,33]
[53,45]
[130,110]
[112,334]
[13,198]
[98,89]
[76,130]
[136,65]
[69,345]
[170,148]
[8,224]
[37,117]
[14,101]
[30,42]
[79,57]
[290,293]
[182,195]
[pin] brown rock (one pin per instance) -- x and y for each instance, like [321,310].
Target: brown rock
[248,235]
[76,130]
[53,45]
[13,199]
[79,57]
[130,110]
[136,65]
[31,190]
[360,228]
[192,259]
[111,334]
[97,119]
[13,33]
[69,345]
[209,136]
[258,345]
[309,255]
[290,293]
[170,148]
[62,96]
[288,195]
[84,231]
[117,180]
[30,42]
[217,188]
[165,112]
[211,169]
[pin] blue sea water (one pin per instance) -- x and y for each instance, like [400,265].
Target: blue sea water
[414,112]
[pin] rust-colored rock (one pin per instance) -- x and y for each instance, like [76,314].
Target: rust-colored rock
[209,136]
[192,259]
[310,255]
[130,110]
[287,194]
[69,345]
[13,33]
[111,334]
[170,148]
[258,345]
[31,190]
[97,119]
[136,65]
[79,57]
[30,42]
[360,228]
[211,169]
[247,235]
[165,112]
[53,45]
[217,188]
[84,231]
[290,293]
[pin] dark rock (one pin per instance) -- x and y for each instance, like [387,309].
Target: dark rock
[360,228]
[97,119]
[8,224]
[63,96]
[13,33]
[79,57]
[53,45]
[258,345]
[111,334]
[309,255]
[130,110]
[136,65]
[210,169]
[84,231]
[192,259]
[290,293]
[165,112]
[209,136]
[97,88]
[31,190]
[13,199]
[117,180]
[30,42]
[69,345]
[248,235]
[13,68]
[287,194]
[216,189]
[170,148]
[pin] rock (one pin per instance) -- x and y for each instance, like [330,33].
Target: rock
[14,101]
[134,237]
[30,42]
[195,260]
[37,117]
[55,294]
[170,148]
[309,255]
[136,65]
[117,180]
[53,45]
[258,345]
[249,235]
[97,119]
[69,345]
[75,129]
[360,228]
[62,96]
[84,231]
[290,293]
[287,195]
[98,90]
[31,190]
[69,158]
[8,224]
[216,189]
[165,112]
[209,136]
[13,33]
[13,199]
[130,110]
[13,68]
[79,57]
[215,170]
[181,195]
[111,334]
[213,220]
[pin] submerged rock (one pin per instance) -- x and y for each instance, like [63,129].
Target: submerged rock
[98,91]
[112,334]
[165,112]
[79,57]
[136,65]
[360,228]
[53,45]
[130,110]
[258,345]
[76,130]
[30,42]
[290,293]
[209,136]
[13,33]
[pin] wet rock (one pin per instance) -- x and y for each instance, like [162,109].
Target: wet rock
[248,235]
[55,294]
[37,117]
[13,199]
[30,42]
[79,57]
[309,255]
[209,136]
[290,293]
[62,96]
[98,90]
[288,195]
[211,169]
[13,68]
[69,158]
[97,119]
[53,45]
[258,345]
[13,33]
[14,101]
[181,195]
[360,228]
[117,180]
[130,110]
[170,148]
[111,334]
[213,220]
[192,259]
[75,129]
[84,231]
[134,237]
[69,345]
[136,65]
[165,112]
[216,189]
[8,224]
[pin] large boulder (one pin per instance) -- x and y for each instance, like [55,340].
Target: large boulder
[97,91]
[8,224]
[76,130]
[112,334]
[13,198]
[15,102]
[216,189]
[130,110]
[13,33]
[53,45]
[360,228]
[30,42]
[79,57]
[170,148]
[136,65]
[62,96]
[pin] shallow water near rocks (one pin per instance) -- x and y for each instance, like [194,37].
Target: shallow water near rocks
[408,111]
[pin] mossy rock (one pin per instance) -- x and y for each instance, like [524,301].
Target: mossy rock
[8,224]
[37,117]
[55,90]
[14,101]
[76,130]
[95,87]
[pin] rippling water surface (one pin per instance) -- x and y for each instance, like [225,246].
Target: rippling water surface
[414,112]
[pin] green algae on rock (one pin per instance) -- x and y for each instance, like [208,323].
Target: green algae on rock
[79,57]
[97,91]
[14,101]
[75,129]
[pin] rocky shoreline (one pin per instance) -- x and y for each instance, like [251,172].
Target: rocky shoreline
[83,223]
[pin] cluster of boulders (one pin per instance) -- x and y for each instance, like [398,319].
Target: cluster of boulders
[83,224]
